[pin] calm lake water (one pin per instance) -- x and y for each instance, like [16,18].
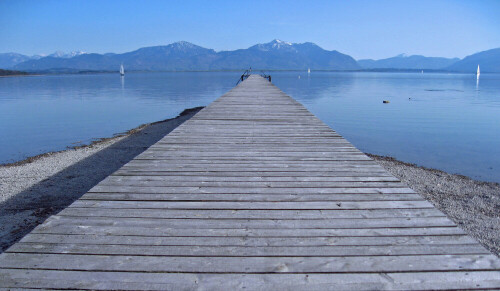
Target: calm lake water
[443,121]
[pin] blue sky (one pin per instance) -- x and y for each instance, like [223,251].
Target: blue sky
[362,29]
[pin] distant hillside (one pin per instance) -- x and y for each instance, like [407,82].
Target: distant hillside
[275,55]
[11,73]
[489,61]
[280,55]
[176,56]
[8,60]
[414,62]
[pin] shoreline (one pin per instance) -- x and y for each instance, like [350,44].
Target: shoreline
[379,70]
[35,188]
[437,171]
[100,140]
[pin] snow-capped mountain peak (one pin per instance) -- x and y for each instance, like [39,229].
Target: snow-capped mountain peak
[275,45]
[278,43]
[183,44]
[64,55]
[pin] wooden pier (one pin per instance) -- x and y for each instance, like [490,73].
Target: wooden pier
[254,192]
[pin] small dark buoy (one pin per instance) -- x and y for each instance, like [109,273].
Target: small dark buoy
[386,101]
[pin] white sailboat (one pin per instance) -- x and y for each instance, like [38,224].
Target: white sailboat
[122,70]
[308,70]
[478,72]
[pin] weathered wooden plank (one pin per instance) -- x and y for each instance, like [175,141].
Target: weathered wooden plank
[139,182]
[228,163]
[283,186]
[338,148]
[153,164]
[56,220]
[252,214]
[201,178]
[246,232]
[250,149]
[244,251]
[253,205]
[375,264]
[240,167]
[84,280]
[263,174]
[249,190]
[249,241]
[251,197]
[225,159]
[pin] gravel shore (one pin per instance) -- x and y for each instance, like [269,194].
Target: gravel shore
[33,189]
[473,205]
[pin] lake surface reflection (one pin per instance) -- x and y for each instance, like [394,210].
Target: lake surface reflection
[443,121]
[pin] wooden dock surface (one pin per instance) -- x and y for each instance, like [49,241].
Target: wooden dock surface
[254,192]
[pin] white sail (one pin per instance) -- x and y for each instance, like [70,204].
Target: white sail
[122,70]
[309,70]
[478,72]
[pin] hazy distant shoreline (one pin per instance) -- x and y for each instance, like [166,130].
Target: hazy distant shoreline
[12,73]
[39,186]
[255,71]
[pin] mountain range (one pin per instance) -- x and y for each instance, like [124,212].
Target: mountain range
[9,60]
[489,61]
[404,61]
[275,55]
